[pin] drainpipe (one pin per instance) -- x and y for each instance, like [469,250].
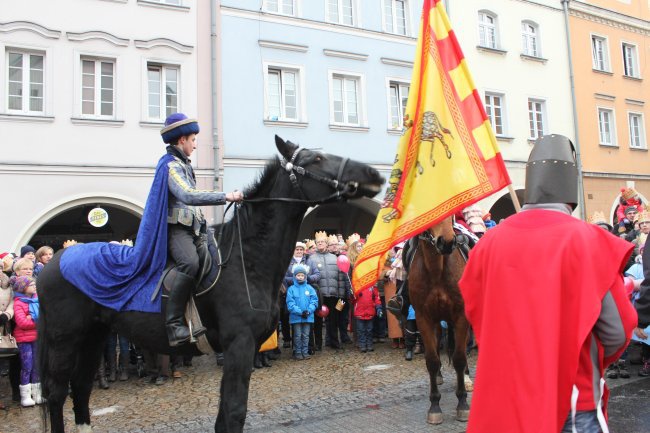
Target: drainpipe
[576,138]
[215,81]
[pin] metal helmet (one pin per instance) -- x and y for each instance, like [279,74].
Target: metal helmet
[552,172]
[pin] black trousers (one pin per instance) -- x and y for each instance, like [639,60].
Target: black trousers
[333,321]
[183,245]
[344,321]
[411,334]
[316,334]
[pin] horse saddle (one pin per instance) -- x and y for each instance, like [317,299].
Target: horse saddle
[208,272]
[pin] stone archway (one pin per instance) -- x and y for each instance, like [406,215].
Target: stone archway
[69,220]
[355,216]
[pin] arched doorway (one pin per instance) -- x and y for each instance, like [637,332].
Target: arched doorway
[504,207]
[355,216]
[69,220]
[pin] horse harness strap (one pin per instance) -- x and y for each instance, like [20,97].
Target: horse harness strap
[460,242]
[338,186]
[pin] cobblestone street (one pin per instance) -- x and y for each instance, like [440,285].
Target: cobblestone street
[332,392]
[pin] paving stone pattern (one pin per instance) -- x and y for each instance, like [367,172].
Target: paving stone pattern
[335,391]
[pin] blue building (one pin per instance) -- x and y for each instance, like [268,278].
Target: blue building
[329,74]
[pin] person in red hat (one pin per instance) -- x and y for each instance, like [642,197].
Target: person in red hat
[549,314]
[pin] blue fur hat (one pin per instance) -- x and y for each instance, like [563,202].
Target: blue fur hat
[178,125]
[299,269]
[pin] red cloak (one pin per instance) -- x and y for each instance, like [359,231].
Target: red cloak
[533,288]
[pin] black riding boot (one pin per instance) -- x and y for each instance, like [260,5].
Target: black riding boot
[177,331]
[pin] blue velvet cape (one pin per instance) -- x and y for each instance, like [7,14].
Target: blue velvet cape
[121,277]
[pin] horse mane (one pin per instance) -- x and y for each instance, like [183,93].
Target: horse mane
[257,189]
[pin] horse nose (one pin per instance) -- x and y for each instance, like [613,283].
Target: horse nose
[374,174]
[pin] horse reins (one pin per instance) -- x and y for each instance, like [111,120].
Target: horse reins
[340,189]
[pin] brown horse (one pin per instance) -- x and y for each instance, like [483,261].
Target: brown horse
[433,277]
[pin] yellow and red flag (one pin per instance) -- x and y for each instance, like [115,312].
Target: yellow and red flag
[448,156]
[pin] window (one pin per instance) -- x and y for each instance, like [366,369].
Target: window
[536,120]
[282,95]
[346,100]
[97,87]
[487,30]
[169,2]
[395,16]
[398,97]
[284,7]
[529,39]
[637,131]
[162,91]
[599,53]
[606,127]
[340,11]
[25,82]
[495,112]
[630,60]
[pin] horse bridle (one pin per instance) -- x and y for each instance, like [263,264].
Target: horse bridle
[446,248]
[340,188]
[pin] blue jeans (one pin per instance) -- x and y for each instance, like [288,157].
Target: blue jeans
[586,422]
[364,333]
[300,332]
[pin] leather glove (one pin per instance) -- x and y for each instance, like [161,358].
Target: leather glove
[3,319]
[305,314]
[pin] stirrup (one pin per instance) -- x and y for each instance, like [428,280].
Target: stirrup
[395,304]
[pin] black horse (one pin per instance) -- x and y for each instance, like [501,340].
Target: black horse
[239,313]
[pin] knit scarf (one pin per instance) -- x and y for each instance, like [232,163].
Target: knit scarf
[34,306]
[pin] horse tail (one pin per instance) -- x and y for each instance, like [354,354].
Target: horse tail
[42,357]
[451,341]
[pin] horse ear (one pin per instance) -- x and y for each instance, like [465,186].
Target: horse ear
[286,148]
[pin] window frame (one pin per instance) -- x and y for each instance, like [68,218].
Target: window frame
[643,144]
[605,49]
[339,20]
[163,65]
[301,101]
[502,106]
[26,82]
[612,126]
[526,38]
[399,83]
[636,73]
[361,99]
[393,23]
[482,27]
[295,6]
[544,118]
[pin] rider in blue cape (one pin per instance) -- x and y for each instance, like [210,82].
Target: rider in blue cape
[124,278]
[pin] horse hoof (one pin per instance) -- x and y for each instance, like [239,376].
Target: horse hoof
[84,428]
[434,418]
[462,415]
[439,380]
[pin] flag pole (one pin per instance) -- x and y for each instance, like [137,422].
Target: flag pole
[514,198]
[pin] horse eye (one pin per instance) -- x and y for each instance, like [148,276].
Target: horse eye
[317,159]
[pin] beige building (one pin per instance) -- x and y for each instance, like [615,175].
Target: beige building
[609,42]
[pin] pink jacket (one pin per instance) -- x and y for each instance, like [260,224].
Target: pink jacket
[25,330]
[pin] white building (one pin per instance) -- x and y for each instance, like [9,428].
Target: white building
[517,52]
[85,88]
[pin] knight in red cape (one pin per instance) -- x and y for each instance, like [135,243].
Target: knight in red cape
[544,294]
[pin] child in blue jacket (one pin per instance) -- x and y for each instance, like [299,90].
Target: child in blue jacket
[301,304]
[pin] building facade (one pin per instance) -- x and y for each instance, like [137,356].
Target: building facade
[609,41]
[86,87]
[324,74]
[518,54]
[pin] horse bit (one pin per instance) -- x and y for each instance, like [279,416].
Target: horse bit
[460,242]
